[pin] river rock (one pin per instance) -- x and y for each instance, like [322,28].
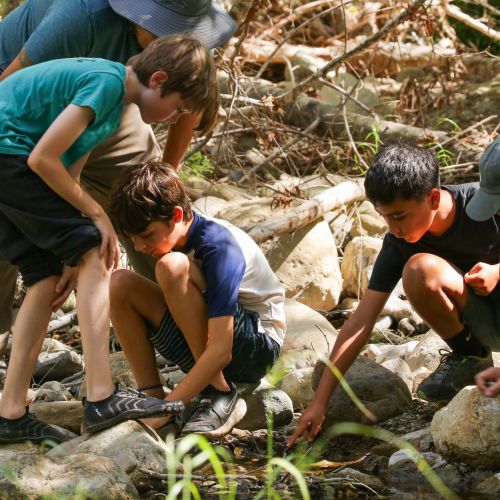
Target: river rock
[247,213]
[489,487]
[308,337]
[426,352]
[210,205]
[382,392]
[400,368]
[468,429]
[297,384]
[33,475]
[263,401]
[67,414]
[131,445]
[306,263]
[368,222]
[357,265]
[57,361]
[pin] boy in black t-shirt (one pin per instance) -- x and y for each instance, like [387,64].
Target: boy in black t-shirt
[450,270]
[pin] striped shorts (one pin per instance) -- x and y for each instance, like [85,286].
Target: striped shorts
[253,352]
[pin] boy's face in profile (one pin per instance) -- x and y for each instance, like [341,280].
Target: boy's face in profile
[160,236]
[157,109]
[410,219]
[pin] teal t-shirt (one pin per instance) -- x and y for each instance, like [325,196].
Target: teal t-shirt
[31,99]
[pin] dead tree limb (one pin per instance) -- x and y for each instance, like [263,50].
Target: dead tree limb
[456,13]
[342,194]
[302,86]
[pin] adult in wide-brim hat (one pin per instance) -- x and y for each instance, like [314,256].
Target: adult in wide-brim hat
[203,19]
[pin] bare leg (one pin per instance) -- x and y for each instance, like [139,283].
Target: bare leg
[93,316]
[135,302]
[437,292]
[182,282]
[29,331]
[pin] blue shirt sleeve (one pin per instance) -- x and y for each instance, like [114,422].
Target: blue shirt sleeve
[65,31]
[223,265]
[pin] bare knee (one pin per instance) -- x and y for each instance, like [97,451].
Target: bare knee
[120,285]
[91,262]
[429,273]
[172,269]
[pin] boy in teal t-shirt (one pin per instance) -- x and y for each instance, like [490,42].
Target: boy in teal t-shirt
[53,114]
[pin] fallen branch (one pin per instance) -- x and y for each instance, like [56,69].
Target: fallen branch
[456,13]
[58,323]
[301,87]
[342,194]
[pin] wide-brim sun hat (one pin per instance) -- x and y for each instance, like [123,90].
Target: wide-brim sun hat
[486,201]
[203,19]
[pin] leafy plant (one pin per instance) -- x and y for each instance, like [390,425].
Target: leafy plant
[197,165]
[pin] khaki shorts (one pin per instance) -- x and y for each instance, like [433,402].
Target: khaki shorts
[482,316]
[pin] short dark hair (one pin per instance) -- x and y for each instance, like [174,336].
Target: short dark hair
[144,194]
[401,171]
[191,72]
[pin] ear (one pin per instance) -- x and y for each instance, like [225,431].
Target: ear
[178,215]
[434,197]
[157,79]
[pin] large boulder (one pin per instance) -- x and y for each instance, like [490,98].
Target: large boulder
[368,222]
[247,213]
[210,205]
[30,474]
[67,414]
[306,263]
[357,265]
[131,445]
[426,352]
[382,392]
[468,429]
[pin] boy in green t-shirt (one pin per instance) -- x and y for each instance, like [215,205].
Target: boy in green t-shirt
[53,114]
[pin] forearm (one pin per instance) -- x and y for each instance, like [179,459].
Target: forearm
[21,61]
[178,139]
[55,175]
[206,367]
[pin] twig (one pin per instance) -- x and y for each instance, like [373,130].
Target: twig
[292,94]
[312,126]
[456,13]
[465,130]
[353,144]
[347,94]
[291,33]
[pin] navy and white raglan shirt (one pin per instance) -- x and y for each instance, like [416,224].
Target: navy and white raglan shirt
[236,271]
[464,244]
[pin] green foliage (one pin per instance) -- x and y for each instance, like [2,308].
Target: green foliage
[7,5]
[197,165]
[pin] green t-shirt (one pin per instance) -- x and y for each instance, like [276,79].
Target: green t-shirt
[31,99]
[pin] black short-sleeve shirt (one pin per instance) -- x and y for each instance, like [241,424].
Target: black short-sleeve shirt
[464,244]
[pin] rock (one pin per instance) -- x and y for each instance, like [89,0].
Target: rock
[297,384]
[489,487]
[349,475]
[406,327]
[173,377]
[400,351]
[307,265]
[468,429]
[400,368]
[368,222]
[247,213]
[382,392]
[426,352]
[120,371]
[419,375]
[131,445]
[263,401]
[210,205]
[421,439]
[57,361]
[67,414]
[32,475]
[403,473]
[357,265]
[70,303]
[340,225]
[52,391]
[309,335]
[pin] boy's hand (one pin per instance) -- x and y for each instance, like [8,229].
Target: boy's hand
[65,285]
[309,424]
[488,381]
[109,249]
[482,278]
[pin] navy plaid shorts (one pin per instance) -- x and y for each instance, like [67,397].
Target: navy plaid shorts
[253,353]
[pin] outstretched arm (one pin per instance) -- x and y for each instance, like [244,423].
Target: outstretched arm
[352,337]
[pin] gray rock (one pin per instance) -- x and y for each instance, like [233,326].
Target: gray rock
[382,392]
[263,401]
[426,352]
[489,487]
[210,205]
[421,439]
[297,384]
[32,475]
[67,414]
[56,361]
[349,475]
[468,429]
[131,445]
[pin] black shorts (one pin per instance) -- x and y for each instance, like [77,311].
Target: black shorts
[254,352]
[39,231]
